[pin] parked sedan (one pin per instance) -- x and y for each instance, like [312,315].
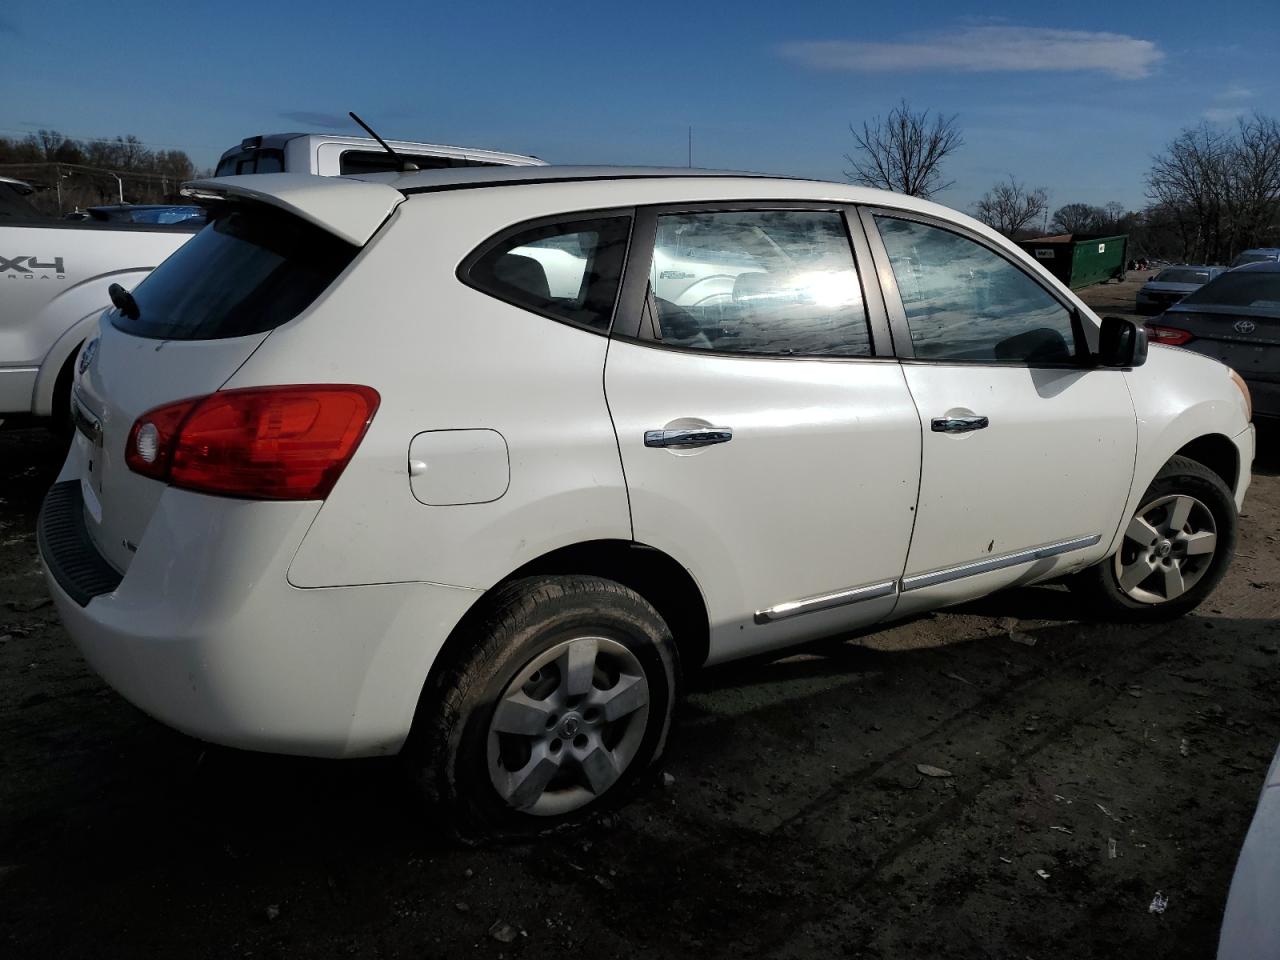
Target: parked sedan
[1257,255]
[1172,284]
[390,487]
[1235,319]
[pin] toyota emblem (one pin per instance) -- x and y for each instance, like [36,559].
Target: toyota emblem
[86,355]
[1245,326]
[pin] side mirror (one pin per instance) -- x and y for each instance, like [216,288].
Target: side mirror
[1121,343]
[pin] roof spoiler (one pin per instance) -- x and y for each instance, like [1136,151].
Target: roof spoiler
[351,210]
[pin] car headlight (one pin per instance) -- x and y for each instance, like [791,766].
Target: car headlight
[1244,390]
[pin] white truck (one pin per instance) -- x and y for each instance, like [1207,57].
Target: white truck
[55,274]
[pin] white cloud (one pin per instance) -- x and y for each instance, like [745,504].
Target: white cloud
[1236,93]
[985,49]
[1222,114]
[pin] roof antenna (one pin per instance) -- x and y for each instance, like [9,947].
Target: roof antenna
[405,165]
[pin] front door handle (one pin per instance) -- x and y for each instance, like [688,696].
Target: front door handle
[695,437]
[958,424]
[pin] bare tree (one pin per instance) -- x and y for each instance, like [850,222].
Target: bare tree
[1221,188]
[904,151]
[1010,206]
[1075,218]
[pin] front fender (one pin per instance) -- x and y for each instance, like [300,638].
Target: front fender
[1180,396]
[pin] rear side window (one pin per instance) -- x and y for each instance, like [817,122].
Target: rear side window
[568,270]
[768,282]
[251,269]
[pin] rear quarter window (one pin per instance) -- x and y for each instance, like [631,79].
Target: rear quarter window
[567,270]
[250,270]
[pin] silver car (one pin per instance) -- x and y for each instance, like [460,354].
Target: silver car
[1172,284]
[1251,926]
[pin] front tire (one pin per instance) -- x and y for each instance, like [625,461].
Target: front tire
[1176,548]
[557,703]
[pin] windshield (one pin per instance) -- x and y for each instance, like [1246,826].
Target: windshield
[1258,290]
[251,269]
[1181,276]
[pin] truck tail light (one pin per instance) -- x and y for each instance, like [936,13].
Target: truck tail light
[259,443]
[1170,335]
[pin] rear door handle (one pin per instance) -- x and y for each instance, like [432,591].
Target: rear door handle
[696,437]
[958,424]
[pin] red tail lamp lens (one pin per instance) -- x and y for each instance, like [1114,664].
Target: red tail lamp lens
[262,443]
[1170,335]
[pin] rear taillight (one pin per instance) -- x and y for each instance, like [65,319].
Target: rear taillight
[261,443]
[1170,335]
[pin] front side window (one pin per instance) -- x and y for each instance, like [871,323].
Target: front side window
[965,302]
[568,270]
[770,282]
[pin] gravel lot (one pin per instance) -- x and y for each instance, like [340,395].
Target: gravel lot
[1091,765]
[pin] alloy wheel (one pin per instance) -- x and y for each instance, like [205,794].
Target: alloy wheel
[1168,546]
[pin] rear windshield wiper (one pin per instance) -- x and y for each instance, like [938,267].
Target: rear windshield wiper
[123,301]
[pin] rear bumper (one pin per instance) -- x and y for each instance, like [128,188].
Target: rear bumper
[204,633]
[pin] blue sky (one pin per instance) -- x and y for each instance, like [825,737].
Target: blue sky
[1072,97]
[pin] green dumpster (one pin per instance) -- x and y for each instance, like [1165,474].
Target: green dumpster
[1080,259]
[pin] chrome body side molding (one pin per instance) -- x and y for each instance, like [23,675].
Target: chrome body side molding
[885,588]
[946,574]
[826,601]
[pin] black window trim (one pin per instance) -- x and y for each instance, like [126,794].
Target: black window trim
[897,313]
[463,273]
[630,316]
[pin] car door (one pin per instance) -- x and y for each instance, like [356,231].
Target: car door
[1028,451]
[767,435]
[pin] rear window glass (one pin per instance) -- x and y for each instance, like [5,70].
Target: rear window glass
[361,161]
[568,270]
[1182,276]
[251,161]
[1247,289]
[251,269]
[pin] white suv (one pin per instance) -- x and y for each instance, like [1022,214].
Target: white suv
[471,464]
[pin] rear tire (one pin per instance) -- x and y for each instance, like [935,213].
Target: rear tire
[556,705]
[1176,549]
[60,421]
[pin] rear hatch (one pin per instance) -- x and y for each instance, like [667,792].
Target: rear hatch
[197,318]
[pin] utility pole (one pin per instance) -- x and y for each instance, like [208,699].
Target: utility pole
[691,145]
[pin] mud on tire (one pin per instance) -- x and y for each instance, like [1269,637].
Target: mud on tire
[555,705]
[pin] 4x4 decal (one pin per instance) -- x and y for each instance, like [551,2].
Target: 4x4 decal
[28,272]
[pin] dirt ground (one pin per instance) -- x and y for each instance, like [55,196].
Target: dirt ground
[1117,297]
[1092,766]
